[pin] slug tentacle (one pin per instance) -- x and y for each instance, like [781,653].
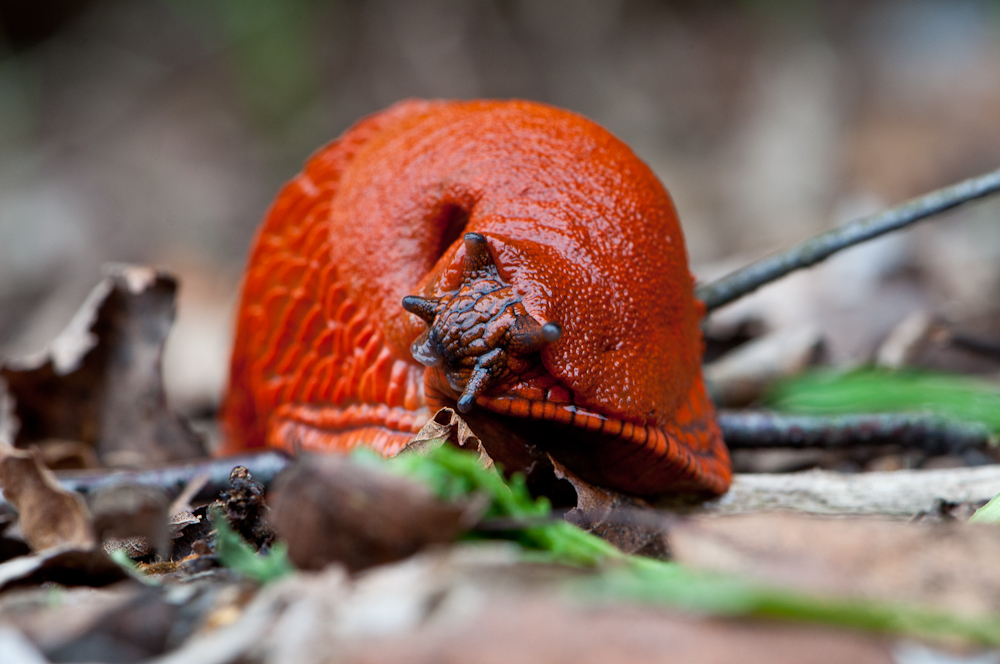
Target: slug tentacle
[422,307]
[480,335]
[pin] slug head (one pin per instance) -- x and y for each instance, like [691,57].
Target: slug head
[479,335]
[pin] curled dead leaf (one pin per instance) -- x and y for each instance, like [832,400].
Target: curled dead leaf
[100,382]
[49,515]
[630,523]
[446,426]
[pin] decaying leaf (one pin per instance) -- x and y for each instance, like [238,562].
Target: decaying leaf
[448,426]
[629,523]
[329,509]
[100,381]
[49,515]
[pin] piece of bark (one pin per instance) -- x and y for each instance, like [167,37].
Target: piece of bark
[628,522]
[899,493]
[100,382]
[243,506]
[48,514]
[328,509]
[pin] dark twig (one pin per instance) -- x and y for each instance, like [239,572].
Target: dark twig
[975,345]
[930,433]
[173,478]
[820,247]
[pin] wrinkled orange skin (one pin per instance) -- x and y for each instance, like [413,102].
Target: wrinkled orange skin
[578,225]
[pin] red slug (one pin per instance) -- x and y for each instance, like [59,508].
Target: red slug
[509,258]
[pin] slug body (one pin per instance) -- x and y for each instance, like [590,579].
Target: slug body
[545,283]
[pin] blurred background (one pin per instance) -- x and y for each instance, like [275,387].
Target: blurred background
[157,132]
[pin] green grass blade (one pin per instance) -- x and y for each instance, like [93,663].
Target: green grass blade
[877,390]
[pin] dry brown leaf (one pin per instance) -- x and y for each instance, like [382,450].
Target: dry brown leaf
[100,382]
[447,426]
[328,509]
[49,515]
[629,523]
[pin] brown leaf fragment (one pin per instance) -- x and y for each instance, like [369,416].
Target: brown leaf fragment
[48,514]
[188,529]
[100,382]
[132,512]
[136,548]
[629,523]
[328,509]
[67,454]
[447,426]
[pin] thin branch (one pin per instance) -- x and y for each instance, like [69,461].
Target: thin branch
[975,345]
[173,478]
[930,433]
[822,246]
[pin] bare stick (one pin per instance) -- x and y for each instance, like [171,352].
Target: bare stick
[822,246]
[930,433]
[897,493]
